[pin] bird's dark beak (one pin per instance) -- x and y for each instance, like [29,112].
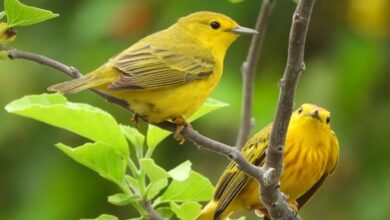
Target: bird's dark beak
[315,114]
[243,30]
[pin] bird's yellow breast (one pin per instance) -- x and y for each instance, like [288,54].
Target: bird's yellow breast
[304,163]
[181,101]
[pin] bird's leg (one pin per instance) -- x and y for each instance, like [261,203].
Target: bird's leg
[180,125]
[294,205]
[134,121]
[260,211]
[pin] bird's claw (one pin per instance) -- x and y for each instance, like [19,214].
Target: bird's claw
[180,125]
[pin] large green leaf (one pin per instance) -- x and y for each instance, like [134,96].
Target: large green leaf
[165,212]
[155,134]
[99,157]
[82,119]
[19,14]
[103,217]
[121,199]
[154,171]
[187,210]
[155,188]
[133,135]
[181,172]
[195,188]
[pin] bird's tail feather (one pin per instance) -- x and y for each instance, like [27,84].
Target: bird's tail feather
[77,85]
[207,212]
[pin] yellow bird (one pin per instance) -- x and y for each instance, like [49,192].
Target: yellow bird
[169,74]
[311,154]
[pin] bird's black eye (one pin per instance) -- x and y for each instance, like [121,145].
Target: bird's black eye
[328,120]
[300,110]
[215,25]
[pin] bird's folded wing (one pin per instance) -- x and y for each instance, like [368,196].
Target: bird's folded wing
[233,180]
[150,68]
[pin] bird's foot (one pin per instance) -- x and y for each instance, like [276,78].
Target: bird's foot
[180,125]
[134,121]
[294,205]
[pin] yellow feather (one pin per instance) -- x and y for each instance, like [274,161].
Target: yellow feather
[311,154]
[168,74]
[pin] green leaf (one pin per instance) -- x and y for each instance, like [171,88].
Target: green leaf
[155,188]
[195,188]
[132,182]
[82,119]
[134,136]
[165,212]
[236,1]
[187,210]
[103,217]
[181,172]
[19,14]
[154,171]
[99,157]
[2,14]
[209,106]
[121,199]
[155,134]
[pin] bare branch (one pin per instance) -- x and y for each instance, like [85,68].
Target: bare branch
[248,70]
[188,133]
[68,70]
[152,214]
[271,194]
[268,177]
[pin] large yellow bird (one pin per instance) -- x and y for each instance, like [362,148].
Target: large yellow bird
[311,154]
[169,74]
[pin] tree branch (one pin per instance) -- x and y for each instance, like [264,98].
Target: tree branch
[268,176]
[248,70]
[152,214]
[271,194]
[188,133]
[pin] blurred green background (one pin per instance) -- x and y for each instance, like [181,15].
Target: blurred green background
[348,72]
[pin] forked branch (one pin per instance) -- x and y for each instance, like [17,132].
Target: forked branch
[267,176]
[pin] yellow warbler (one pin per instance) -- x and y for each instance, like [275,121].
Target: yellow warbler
[311,154]
[169,74]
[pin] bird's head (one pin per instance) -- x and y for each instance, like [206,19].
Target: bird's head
[311,116]
[214,30]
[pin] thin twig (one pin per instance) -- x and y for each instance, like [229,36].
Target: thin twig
[248,70]
[188,133]
[294,67]
[152,214]
[269,176]
[68,70]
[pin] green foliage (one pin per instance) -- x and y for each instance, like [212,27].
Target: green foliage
[2,15]
[156,134]
[177,191]
[19,14]
[195,188]
[236,1]
[121,199]
[103,217]
[187,210]
[100,158]
[81,119]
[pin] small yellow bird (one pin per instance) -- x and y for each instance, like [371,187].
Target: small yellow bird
[169,74]
[311,154]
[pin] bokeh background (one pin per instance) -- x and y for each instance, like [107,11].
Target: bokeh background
[348,72]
